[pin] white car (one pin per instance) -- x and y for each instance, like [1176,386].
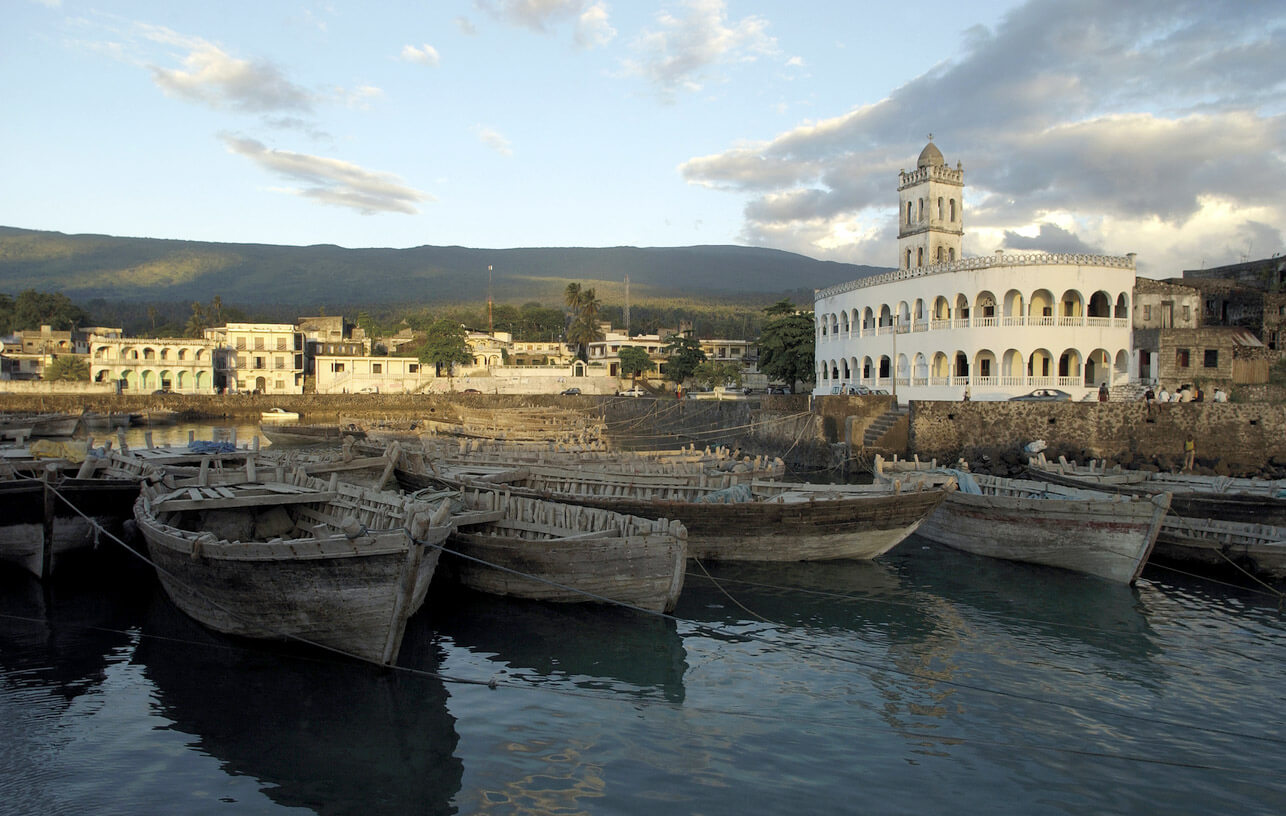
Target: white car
[633,392]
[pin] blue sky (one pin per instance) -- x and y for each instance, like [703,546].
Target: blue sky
[1148,126]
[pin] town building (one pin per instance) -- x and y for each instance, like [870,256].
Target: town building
[265,358]
[183,365]
[998,326]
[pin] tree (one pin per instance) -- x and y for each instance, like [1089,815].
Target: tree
[67,368]
[446,345]
[635,360]
[32,309]
[583,329]
[197,322]
[786,344]
[685,355]
[714,373]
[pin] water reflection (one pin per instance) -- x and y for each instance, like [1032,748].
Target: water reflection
[334,737]
[589,645]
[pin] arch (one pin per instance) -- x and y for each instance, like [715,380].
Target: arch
[821,371]
[1040,364]
[917,313]
[1012,305]
[578,368]
[1071,304]
[834,325]
[885,367]
[1100,305]
[183,354]
[1121,366]
[843,321]
[100,352]
[102,375]
[200,354]
[149,353]
[181,381]
[853,324]
[1098,368]
[908,213]
[868,369]
[129,380]
[834,370]
[951,209]
[920,210]
[133,354]
[937,255]
[940,369]
[1069,363]
[202,381]
[165,380]
[904,315]
[886,315]
[165,354]
[960,366]
[920,372]
[908,259]
[939,208]
[919,256]
[145,379]
[261,384]
[941,309]
[868,319]
[904,367]
[951,254]
[853,371]
[985,369]
[844,371]
[1041,308]
[984,305]
[961,311]
[1122,306]
[1012,367]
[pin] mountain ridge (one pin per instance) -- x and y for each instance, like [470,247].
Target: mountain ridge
[86,266]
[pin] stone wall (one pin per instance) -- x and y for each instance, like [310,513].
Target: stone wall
[1238,438]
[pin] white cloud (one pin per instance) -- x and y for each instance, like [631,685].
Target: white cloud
[213,77]
[493,140]
[685,51]
[331,181]
[589,18]
[1126,128]
[425,54]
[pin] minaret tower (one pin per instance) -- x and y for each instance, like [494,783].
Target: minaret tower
[931,211]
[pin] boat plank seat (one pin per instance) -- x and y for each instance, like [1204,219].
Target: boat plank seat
[250,495]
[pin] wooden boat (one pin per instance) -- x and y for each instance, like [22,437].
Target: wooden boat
[18,426]
[325,563]
[542,550]
[278,415]
[760,521]
[155,416]
[1259,548]
[39,530]
[1252,501]
[294,434]
[109,421]
[1102,534]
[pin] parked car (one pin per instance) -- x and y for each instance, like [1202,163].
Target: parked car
[570,392]
[632,392]
[471,391]
[777,389]
[1044,395]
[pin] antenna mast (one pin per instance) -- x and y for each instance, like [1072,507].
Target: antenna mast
[627,305]
[491,329]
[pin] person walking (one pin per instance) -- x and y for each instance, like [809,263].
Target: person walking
[1149,398]
[1102,392]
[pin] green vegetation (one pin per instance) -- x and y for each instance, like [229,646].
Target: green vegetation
[67,368]
[445,346]
[786,344]
[583,329]
[635,361]
[32,309]
[714,373]
[685,355]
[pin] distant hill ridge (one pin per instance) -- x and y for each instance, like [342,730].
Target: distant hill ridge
[153,269]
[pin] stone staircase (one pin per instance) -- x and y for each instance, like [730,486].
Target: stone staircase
[882,425]
[1126,392]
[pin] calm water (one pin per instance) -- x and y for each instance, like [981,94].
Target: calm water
[926,682]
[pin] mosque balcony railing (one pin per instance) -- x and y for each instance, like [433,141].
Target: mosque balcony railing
[999,260]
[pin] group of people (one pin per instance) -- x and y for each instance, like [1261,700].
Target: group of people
[1185,393]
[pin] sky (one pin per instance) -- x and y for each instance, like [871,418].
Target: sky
[1103,126]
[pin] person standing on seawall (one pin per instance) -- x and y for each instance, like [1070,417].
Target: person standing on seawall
[1189,454]
[1102,392]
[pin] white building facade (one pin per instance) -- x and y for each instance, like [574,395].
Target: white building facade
[998,326]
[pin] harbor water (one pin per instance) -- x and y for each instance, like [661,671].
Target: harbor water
[927,681]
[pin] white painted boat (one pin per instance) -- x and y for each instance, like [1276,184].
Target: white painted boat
[279,415]
[1102,534]
[1256,547]
[329,564]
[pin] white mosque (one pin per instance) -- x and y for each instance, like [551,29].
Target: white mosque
[1000,326]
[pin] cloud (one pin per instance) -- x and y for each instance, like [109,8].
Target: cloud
[213,77]
[1133,125]
[589,19]
[331,181]
[425,55]
[683,52]
[493,140]
[466,26]
[1051,238]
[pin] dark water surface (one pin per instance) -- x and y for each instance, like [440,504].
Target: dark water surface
[928,681]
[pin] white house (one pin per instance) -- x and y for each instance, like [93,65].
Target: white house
[1000,326]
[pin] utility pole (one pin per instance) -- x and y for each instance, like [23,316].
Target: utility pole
[627,305]
[491,329]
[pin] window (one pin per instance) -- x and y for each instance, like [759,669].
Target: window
[919,256]
[241,344]
[1147,312]
[258,344]
[951,254]
[1211,358]
[280,385]
[413,368]
[337,368]
[1187,312]
[1181,358]
[281,344]
[939,208]
[259,362]
[908,212]
[953,209]
[279,362]
[377,368]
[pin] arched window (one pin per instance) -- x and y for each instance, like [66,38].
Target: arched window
[919,256]
[938,258]
[951,254]
[908,259]
[920,211]
[908,212]
[953,210]
[939,208]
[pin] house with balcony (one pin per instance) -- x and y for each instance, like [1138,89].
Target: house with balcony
[265,358]
[999,326]
[183,365]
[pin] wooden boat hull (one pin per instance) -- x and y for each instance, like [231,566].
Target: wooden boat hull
[1215,542]
[353,596]
[581,554]
[37,532]
[286,434]
[1241,507]
[845,527]
[1105,538]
